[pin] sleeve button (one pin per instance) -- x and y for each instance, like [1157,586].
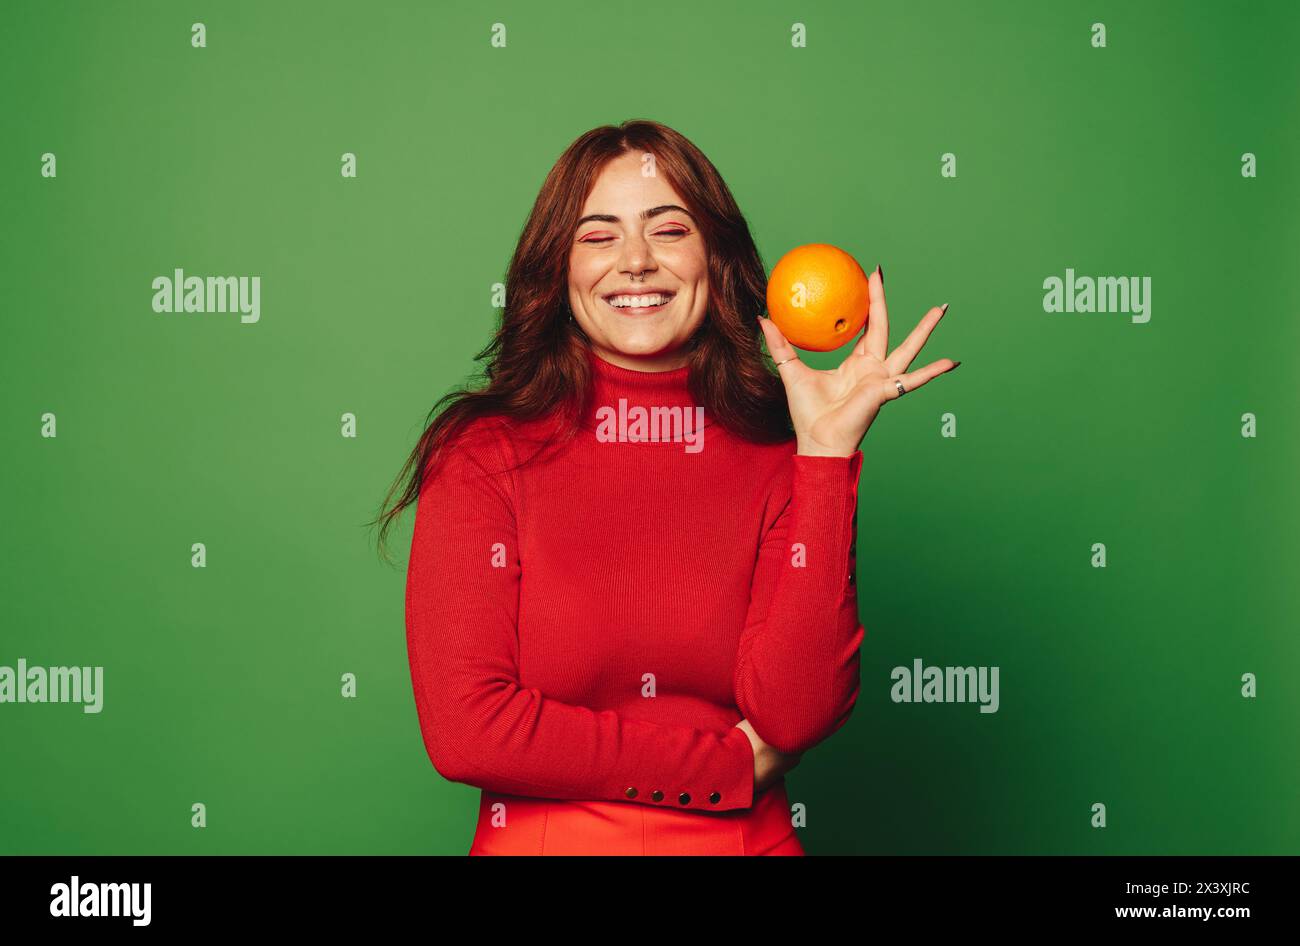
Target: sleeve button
[714,798]
[630,792]
[657,795]
[684,798]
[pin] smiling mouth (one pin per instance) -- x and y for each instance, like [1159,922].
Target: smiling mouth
[639,303]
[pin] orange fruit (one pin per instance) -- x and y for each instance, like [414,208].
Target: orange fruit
[818,297]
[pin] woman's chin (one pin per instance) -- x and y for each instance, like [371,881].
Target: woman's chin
[640,340]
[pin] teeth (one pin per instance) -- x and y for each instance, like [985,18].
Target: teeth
[623,302]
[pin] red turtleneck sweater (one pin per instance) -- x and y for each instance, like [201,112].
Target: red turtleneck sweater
[593,624]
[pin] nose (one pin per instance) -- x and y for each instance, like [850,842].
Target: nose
[636,257]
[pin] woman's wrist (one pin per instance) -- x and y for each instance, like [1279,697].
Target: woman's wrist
[817,450]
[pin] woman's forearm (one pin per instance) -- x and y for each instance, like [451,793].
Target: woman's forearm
[797,669]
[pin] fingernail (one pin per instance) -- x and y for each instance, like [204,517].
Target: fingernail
[944,310]
[882,274]
[956,365]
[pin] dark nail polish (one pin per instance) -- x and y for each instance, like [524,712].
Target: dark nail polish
[956,365]
[882,275]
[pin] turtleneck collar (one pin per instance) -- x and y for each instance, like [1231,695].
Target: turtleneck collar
[611,383]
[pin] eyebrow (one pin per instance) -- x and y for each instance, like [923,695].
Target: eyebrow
[645,214]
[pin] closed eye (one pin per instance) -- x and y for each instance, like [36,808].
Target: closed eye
[668,233]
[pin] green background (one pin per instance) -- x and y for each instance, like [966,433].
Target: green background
[1118,685]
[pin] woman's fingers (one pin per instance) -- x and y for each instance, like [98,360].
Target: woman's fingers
[914,379]
[902,357]
[779,348]
[876,338]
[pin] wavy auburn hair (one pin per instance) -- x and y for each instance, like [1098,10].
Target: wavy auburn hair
[537,364]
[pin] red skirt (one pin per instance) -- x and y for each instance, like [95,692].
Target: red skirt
[513,824]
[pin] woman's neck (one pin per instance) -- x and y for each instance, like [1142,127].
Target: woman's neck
[612,384]
[665,361]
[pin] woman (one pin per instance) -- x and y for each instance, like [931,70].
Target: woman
[630,602]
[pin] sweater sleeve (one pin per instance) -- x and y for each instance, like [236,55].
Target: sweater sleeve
[797,666]
[480,725]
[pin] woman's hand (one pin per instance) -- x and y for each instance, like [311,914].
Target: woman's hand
[831,410]
[769,764]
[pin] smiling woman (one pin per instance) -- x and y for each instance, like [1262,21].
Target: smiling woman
[626,645]
[638,269]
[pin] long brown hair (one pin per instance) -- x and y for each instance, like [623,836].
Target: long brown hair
[536,360]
